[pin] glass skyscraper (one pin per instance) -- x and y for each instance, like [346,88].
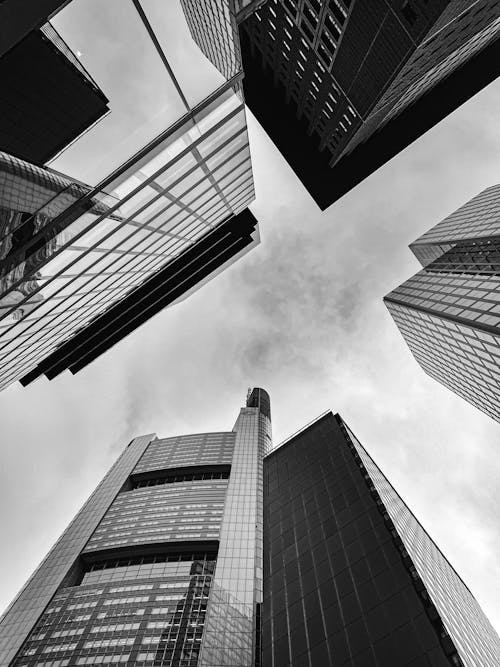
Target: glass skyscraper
[449,312]
[213,550]
[162,565]
[341,86]
[146,205]
[351,578]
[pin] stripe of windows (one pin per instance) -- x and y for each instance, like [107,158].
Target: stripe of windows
[99,292]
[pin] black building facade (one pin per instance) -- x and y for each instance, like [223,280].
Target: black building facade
[341,86]
[350,576]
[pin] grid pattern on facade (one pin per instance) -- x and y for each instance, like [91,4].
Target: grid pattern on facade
[336,60]
[477,218]
[156,618]
[179,477]
[213,28]
[48,98]
[462,30]
[231,629]
[470,630]
[23,613]
[465,33]
[481,257]
[336,588]
[180,511]
[449,312]
[464,359]
[189,185]
[188,450]
[298,42]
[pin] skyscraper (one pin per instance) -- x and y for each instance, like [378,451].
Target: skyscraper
[162,565]
[341,86]
[141,209]
[351,578]
[212,550]
[449,312]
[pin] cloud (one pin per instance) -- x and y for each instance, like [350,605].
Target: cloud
[302,316]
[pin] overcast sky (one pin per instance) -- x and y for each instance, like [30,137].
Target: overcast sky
[302,316]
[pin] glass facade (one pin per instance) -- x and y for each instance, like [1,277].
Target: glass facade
[463,29]
[164,567]
[471,632]
[349,579]
[477,219]
[70,251]
[48,97]
[449,312]
[213,27]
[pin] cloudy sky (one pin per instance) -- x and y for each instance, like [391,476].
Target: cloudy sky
[301,315]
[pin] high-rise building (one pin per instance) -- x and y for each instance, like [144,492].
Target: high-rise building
[143,208]
[341,86]
[449,312]
[212,550]
[19,17]
[162,565]
[351,578]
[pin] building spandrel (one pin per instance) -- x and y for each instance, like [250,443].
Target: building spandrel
[351,578]
[170,169]
[342,86]
[163,565]
[449,312]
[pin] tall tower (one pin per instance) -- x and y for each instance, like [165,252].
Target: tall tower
[351,578]
[449,312]
[341,86]
[162,565]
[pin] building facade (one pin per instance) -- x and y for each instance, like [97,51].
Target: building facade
[148,204]
[341,86]
[213,550]
[163,564]
[449,312]
[351,578]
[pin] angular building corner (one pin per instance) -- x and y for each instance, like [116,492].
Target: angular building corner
[214,550]
[109,221]
[449,312]
[342,86]
[351,578]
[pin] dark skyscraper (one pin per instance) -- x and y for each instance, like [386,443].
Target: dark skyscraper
[351,578]
[211,550]
[141,210]
[162,565]
[341,86]
[449,312]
